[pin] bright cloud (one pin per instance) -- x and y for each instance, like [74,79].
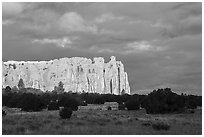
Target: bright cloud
[64,42]
[142,46]
[107,17]
[73,22]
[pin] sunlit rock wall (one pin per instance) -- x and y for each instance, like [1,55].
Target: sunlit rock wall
[78,75]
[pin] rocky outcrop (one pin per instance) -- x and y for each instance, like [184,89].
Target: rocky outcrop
[77,74]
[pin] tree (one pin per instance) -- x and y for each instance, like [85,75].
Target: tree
[123,92]
[8,89]
[60,88]
[65,113]
[53,106]
[163,101]
[21,84]
[32,102]
[132,104]
[68,101]
[14,89]
[3,113]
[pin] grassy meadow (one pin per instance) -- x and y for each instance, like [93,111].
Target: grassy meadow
[98,122]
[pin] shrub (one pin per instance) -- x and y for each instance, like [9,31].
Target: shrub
[161,126]
[136,118]
[189,111]
[53,106]
[14,89]
[132,104]
[8,89]
[65,113]
[80,123]
[31,102]
[12,100]
[121,107]
[67,101]
[147,123]
[130,120]
[163,101]
[21,84]
[192,111]
[118,123]
[59,89]
[3,113]
[20,129]
[192,104]
[109,108]
[83,103]
[98,99]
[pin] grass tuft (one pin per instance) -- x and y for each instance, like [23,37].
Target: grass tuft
[118,123]
[161,126]
[147,123]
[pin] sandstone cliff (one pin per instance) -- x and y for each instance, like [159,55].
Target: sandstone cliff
[78,74]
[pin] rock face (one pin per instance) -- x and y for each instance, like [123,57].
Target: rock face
[77,74]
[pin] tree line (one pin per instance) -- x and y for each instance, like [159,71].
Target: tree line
[158,101]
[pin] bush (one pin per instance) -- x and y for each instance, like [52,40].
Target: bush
[192,111]
[121,107]
[147,123]
[158,101]
[8,89]
[83,103]
[70,102]
[163,101]
[59,89]
[21,84]
[191,104]
[65,113]
[118,123]
[132,104]
[161,126]
[12,100]
[31,102]
[53,106]
[3,113]
[98,99]
[109,108]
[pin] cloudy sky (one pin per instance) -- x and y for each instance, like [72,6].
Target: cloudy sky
[160,44]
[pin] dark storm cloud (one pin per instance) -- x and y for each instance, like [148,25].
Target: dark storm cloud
[160,44]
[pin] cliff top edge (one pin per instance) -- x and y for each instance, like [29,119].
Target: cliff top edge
[72,58]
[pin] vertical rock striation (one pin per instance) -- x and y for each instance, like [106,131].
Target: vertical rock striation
[78,75]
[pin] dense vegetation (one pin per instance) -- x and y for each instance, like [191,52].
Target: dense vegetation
[158,101]
[164,101]
[65,113]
